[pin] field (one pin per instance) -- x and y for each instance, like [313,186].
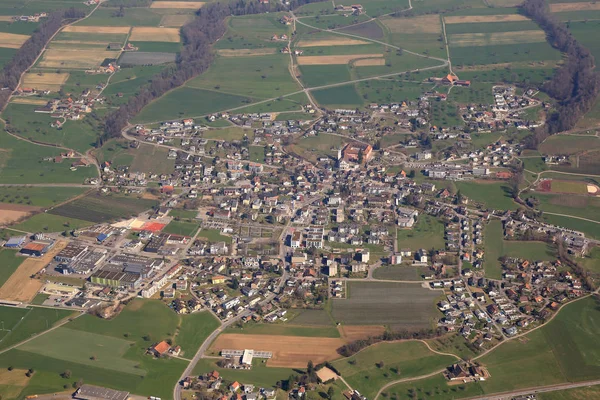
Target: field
[398,305]
[574,6]
[398,360]
[495,247]
[464,19]
[124,30]
[570,187]
[181,228]
[37,196]
[344,96]
[74,58]
[22,323]
[213,235]
[567,144]
[21,162]
[12,40]
[195,328]
[11,213]
[9,262]
[401,273]
[591,229]
[295,328]
[187,102]
[192,5]
[492,195]
[98,208]
[147,34]
[499,38]
[52,81]
[318,146]
[330,40]
[427,233]
[123,365]
[332,60]
[288,351]
[20,286]
[582,393]
[46,222]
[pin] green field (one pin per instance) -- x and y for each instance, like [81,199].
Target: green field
[263,77]
[584,32]
[23,162]
[399,305]
[23,121]
[9,262]
[187,102]
[286,330]
[35,320]
[382,363]
[37,196]
[492,195]
[503,53]
[579,206]
[213,235]
[109,352]
[344,96]
[183,214]
[320,75]
[568,144]
[135,16]
[46,222]
[96,207]
[591,229]
[312,317]
[427,233]
[592,392]
[181,228]
[195,328]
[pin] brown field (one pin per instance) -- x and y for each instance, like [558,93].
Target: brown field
[288,351]
[20,286]
[190,5]
[245,52]
[499,38]
[45,81]
[12,40]
[74,58]
[151,34]
[29,100]
[97,29]
[330,42]
[460,19]
[491,67]
[13,382]
[331,60]
[370,62]
[351,333]
[422,24]
[5,18]
[560,7]
[10,213]
[175,20]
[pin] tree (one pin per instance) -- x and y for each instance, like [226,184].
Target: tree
[361,157]
[235,284]
[66,374]
[330,392]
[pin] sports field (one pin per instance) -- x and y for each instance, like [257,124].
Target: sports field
[181,228]
[288,351]
[399,305]
[373,367]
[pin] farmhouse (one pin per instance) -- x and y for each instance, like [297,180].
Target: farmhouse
[159,349]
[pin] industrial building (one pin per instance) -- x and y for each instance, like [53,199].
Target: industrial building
[90,392]
[71,252]
[36,249]
[15,242]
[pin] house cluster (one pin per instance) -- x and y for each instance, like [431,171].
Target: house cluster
[466,372]
[69,109]
[30,18]
[212,382]
[354,9]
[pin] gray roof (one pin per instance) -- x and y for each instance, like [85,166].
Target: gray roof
[90,392]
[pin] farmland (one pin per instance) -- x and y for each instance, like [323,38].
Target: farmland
[195,328]
[46,222]
[379,364]
[99,208]
[120,363]
[21,162]
[383,303]
[23,323]
[566,144]
[37,196]
[288,351]
[10,261]
[291,329]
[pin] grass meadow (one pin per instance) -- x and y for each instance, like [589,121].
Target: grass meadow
[427,233]
[9,262]
[37,196]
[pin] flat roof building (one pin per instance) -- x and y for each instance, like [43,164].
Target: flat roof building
[90,392]
[71,252]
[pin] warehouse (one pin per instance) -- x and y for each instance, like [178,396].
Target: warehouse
[15,242]
[36,249]
[71,252]
[116,279]
[90,392]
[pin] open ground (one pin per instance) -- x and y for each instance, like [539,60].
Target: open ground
[288,351]
[12,40]
[20,286]
[191,5]
[581,6]
[334,60]
[10,213]
[150,34]
[45,80]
